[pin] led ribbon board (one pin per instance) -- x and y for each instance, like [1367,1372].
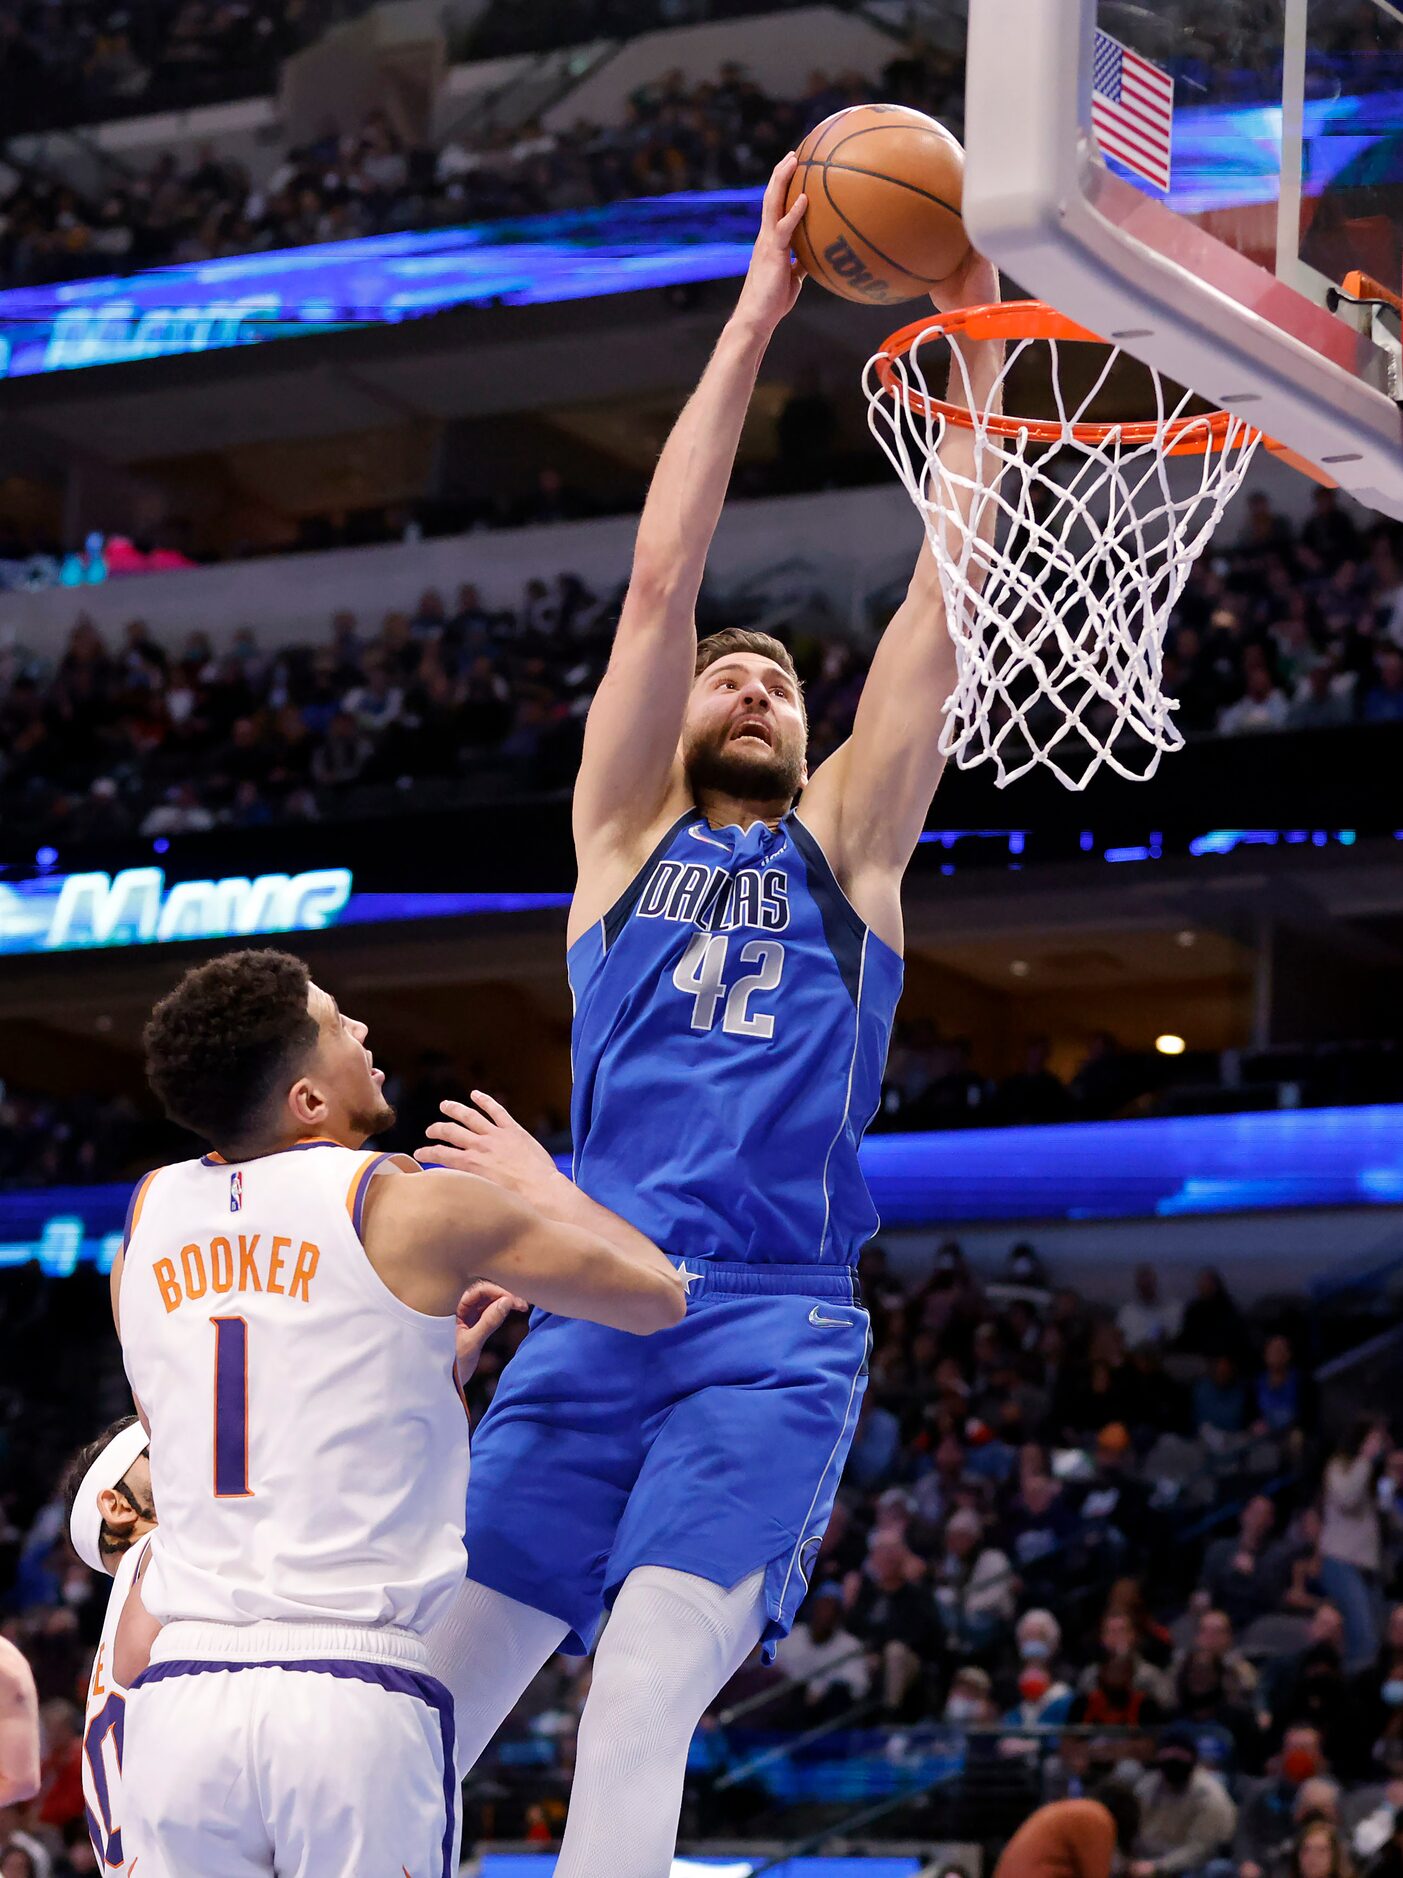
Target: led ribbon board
[245,299]
[69,912]
[1197,1164]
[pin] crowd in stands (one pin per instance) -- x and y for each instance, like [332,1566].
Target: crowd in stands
[68,62]
[1008,1560]
[512,26]
[1291,629]
[1285,630]
[1083,1536]
[373,180]
[65,60]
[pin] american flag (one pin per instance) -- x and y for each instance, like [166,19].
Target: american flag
[1132,110]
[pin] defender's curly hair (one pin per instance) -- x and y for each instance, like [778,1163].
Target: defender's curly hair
[108,1541]
[218,1044]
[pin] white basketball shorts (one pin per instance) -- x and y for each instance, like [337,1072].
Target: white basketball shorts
[312,1751]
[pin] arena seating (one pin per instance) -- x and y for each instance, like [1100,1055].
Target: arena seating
[1287,629]
[1153,1470]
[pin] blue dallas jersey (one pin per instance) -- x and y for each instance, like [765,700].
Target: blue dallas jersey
[732,1018]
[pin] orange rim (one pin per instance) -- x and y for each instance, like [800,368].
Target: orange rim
[1032,319]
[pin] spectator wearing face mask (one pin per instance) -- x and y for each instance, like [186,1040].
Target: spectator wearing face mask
[1186,1817]
[1267,1820]
[1037,1638]
[970,1703]
[1043,1697]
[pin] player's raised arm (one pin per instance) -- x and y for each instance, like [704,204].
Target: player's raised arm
[630,752]
[868,803]
[430,1236]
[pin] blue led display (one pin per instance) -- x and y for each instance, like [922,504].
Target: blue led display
[1128,1170]
[1229,156]
[53,912]
[1224,157]
[135,906]
[1083,1170]
[245,299]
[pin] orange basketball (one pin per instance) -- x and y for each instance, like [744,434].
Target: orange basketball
[883,218]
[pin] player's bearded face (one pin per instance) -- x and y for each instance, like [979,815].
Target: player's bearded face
[737,745]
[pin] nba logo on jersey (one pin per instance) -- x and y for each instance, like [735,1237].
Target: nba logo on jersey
[236,1190]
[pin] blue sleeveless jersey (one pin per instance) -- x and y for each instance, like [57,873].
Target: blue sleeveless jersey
[732,1017]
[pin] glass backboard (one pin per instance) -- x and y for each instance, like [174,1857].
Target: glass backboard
[1202,181]
[1286,128]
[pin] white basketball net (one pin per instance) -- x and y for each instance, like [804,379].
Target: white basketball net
[1058,620]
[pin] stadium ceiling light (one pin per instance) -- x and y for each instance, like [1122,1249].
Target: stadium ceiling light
[1169,1044]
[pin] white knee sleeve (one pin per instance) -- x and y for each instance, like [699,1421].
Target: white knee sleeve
[673,1641]
[484,1650]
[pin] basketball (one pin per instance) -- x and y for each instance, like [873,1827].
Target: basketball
[883,219]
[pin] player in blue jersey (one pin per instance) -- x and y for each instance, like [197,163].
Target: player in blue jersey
[735,964]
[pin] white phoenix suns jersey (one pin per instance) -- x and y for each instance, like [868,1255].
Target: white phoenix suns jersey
[103,1722]
[309,1447]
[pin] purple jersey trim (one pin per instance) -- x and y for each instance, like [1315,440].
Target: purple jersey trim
[412,1682]
[137,1192]
[295,1147]
[367,1174]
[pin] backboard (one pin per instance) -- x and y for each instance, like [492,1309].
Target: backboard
[1201,181]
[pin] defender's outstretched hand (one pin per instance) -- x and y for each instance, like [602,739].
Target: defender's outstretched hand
[486,1139]
[482,1309]
[774,277]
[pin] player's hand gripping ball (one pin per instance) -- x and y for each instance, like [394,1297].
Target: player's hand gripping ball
[884,187]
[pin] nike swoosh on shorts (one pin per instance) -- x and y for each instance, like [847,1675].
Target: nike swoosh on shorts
[839,1323]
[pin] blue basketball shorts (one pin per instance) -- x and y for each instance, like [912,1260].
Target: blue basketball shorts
[714,1447]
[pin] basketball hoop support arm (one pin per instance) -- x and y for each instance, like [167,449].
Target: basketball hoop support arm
[1038,201]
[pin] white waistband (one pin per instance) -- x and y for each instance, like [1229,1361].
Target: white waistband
[272,1642]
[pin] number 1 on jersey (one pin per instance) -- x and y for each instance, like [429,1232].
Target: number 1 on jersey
[231,1408]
